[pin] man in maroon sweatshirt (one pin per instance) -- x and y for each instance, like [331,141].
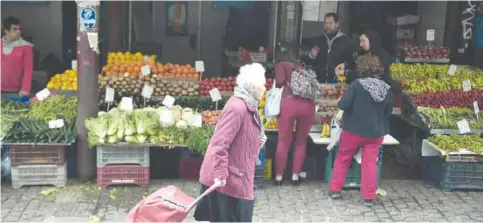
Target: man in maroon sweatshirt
[16,59]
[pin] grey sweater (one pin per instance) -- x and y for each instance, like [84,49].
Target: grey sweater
[367,106]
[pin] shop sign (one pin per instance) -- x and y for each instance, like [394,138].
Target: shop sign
[88,18]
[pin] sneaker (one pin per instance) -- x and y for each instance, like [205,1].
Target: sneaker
[278,183]
[367,202]
[335,195]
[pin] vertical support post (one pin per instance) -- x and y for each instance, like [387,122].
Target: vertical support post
[198,42]
[88,21]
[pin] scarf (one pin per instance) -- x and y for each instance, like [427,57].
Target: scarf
[242,93]
[376,88]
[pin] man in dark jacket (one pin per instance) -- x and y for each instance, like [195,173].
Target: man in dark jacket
[330,50]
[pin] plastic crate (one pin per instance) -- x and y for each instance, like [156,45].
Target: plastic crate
[353,179]
[190,165]
[122,154]
[261,157]
[39,175]
[123,174]
[268,169]
[451,175]
[37,154]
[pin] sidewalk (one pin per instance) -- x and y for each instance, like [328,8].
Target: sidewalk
[406,201]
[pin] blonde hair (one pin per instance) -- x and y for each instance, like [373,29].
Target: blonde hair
[369,66]
[251,76]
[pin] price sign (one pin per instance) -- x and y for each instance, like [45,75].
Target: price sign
[466,85]
[147,91]
[430,35]
[197,120]
[126,104]
[43,94]
[215,94]
[146,58]
[452,70]
[109,97]
[145,70]
[168,101]
[200,66]
[73,65]
[476,107]
[316,108]
[463,126]
[55,124]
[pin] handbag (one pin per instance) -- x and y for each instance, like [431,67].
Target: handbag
[272,106]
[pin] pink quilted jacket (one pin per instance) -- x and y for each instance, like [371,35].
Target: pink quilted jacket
[233,150]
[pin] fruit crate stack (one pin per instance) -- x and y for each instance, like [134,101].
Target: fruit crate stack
[39,164]
[451,168]
[353,179]
[260,169]
[123,164]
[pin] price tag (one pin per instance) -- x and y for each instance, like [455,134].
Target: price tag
[466,85]
[109,94]
[197,120]
[215,94]
[463,126]
[74,65]
[43,94]
[316,108]
[55,124]
[146,58]
[126,104]
[452,69]
[168,101]
[430,35]
[200,66]
[147,91]
[145,70]
[475,106]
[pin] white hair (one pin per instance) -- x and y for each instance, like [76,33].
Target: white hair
[251,76]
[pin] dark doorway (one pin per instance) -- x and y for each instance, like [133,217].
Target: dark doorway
[69,32]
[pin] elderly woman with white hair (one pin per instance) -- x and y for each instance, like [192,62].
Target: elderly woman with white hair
[233,151]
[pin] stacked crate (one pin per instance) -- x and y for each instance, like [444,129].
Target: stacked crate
[38,165]
[260,169]
[123,164]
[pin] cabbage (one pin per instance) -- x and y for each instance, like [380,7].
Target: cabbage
[182,124]
[131,139]
[176,112]
[145,121]
[97,129]
[112,139]
[187,115]
[165,117]
[130,128]
[141,138]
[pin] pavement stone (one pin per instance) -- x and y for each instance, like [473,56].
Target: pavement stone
[406,201]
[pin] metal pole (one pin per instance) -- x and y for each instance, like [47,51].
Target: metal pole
[87,82]
[275,32]
[153,22]
[198,43]
[130,26]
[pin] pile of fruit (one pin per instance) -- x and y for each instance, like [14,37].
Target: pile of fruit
[332,91]
[130,85]
[414,71]
[425,85]
[449,99]
[325,130]
[446,118]
[427,53]
[211,117]
[224,84]
[119,64]
[65,81]
[271,124]
[456,143]
[176,70]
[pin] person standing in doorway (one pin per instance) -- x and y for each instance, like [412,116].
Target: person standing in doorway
[16,60]
[330,50]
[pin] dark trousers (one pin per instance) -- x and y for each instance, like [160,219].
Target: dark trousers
[217,207]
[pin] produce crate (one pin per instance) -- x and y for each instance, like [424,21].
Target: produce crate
[429,149]
[353,179]
[123,174]
[190,165]
[268,169]
[39,175]
[37,154]
[451,175]
[259,177]
[122,154]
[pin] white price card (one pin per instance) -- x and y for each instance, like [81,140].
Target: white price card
[43,94]
[168,101]
[215,94]
[476,107]
[200,66]
[452,70]
[430,35]
[197,120]
[316,108]
[463,126]
[466,85]
[145,70]
[109,94]
[55,124]
[73,65]
[147,91]
[126,104]
[146,58]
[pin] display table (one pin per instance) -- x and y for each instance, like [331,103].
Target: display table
[388,140]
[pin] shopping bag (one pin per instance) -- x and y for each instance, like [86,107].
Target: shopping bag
[335,131]
[272,106]
[168,204]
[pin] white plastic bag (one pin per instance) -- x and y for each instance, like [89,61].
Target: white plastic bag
[335,133]
[272,106]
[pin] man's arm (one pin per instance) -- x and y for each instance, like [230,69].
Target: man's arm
[27,71]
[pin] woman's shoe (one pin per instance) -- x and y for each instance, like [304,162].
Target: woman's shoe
[278,183]
[367,202]
[297,182]
[335,195]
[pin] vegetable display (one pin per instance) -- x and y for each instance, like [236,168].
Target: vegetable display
[64,81]
[53,107]
[446,118]
[456,143]
[199,138]
[211,117]
[31,131]
[10,112]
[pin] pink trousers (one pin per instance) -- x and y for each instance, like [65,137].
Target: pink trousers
[348,146]
[293,109]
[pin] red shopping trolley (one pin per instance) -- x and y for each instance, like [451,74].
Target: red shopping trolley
[168,204]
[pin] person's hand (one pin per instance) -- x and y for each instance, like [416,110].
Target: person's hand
[340,69]
[263,140]
[338,100]
[219,182]
[24,93]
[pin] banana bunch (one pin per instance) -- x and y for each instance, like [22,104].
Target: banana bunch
[271,124]
[341,78]
[325,130]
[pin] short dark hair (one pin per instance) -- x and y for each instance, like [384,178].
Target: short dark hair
[333,15]
[369,66]
[9,21]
